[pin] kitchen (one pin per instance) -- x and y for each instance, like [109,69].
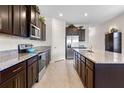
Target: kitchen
[34,41]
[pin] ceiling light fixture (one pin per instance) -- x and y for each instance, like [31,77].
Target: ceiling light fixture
[85,14]
[60,14]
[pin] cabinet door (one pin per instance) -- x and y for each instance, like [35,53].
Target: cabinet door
[17,81]
[21,79]
[78,66]
[106,42]
[83,72]
[75,32]
[109,42]
[76,62]
[16,20]
[23,22]
[68,32]
[6,19]
[33,16]
[32,74]
[44,32]
[37,19]
[47,57]
[47,62]
[10,83]
[89,77]
[82,35]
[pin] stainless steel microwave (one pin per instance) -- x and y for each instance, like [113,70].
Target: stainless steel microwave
[35,32]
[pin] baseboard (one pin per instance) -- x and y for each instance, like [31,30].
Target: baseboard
[60,60]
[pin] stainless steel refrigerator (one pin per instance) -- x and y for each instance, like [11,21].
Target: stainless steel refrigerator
[71,42]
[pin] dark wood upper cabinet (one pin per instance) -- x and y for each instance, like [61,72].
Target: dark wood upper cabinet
[19,21]
[81,34]
[72,31]
[113,42]
[42,27]
[43,31]
[6,19]
[23,21]
[16,20]
[75,31]
[37,19]
[33,15]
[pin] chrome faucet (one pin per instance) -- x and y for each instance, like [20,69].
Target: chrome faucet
[91,50]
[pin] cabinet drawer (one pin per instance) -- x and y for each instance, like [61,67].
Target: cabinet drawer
[9,72]
[31,60]
[75,52]
[82,58]
[78,55]
[89,64]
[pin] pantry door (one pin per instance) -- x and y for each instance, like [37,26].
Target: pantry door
[58,40]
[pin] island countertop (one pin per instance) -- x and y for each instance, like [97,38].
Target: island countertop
[102,57]
[12,57]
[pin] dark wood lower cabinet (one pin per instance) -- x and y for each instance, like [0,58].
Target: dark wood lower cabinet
[84,69]
[76,64]
[23,74]
[78,67]
[32,73]
[83,72]
[48,57]
[17,81]
[89,78]
[99,75]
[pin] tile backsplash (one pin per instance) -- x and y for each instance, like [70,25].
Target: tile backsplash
[8,42]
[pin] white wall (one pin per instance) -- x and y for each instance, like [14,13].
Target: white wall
[8,42]
[58,40]
[97,33]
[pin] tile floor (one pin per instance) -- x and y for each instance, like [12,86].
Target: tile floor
[60,74]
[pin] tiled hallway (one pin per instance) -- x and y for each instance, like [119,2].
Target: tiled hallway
[60,75]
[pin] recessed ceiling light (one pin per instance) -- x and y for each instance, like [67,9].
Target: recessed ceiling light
[85,14]
[60,14]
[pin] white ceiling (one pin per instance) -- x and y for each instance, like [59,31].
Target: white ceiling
[74,14]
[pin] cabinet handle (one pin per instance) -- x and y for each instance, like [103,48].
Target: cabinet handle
[17,69]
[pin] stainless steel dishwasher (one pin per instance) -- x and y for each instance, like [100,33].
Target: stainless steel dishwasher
[41,64]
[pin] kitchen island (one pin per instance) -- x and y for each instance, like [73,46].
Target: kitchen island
[99,69]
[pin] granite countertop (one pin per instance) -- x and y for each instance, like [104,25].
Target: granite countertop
[12,57]
[102,57]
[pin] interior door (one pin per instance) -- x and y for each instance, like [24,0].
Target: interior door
[58,40]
